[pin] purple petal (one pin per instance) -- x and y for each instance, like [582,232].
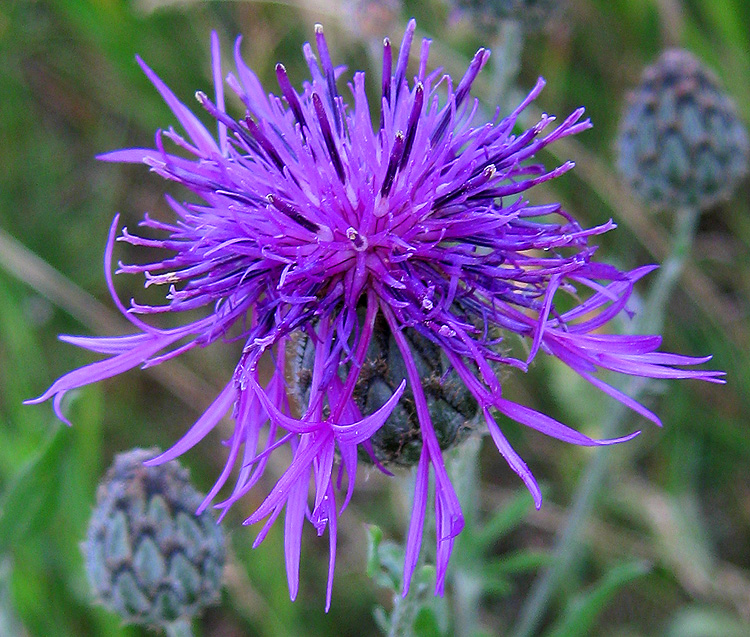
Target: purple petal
[192,125]
[105,369]
[282,420]
[132,156]
[332,537]
[295,515]
[202,426]
[303,458]
[551,427]
[416,524]
[362,430]
[513,459]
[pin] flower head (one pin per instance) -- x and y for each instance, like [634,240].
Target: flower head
[314,221]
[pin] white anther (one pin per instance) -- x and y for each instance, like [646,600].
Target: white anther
[359,242]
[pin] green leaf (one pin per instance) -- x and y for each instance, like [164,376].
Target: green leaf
[25,501]
[374,538]
[704,622]
[426,623]
[584,609]
[382,619]
[505,520]
[385,560]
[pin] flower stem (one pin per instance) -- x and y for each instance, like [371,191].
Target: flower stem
[463,469]
[652,318]
[467,590]
[405,609]
[567,545]
[464,460]
[179,628]
[507,49]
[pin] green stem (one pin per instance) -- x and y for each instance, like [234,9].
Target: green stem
[179,628]
[567,545]
[652,319]
[507,62]
[463,469]
[405,609]
[463,465]
[467,589]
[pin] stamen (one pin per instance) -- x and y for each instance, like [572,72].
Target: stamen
[390,174]
[325,128]
[265,143]
[462,90]
[293,214]
[464,86]
[360,242]
[411,129]
[214,111]
[487,174]
[291,96]
[424,56]
[386,79]
[403,55]
[387,61]
[327,64]
[247,198]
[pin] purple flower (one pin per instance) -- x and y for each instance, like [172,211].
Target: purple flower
[313,220]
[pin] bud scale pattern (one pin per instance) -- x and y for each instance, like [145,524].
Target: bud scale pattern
[681,142]
[149,557]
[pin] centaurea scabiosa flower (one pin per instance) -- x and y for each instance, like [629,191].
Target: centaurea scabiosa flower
[321,217]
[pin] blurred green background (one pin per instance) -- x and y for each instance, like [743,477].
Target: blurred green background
[679,500]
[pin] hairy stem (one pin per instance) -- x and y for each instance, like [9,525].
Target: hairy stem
[405,609]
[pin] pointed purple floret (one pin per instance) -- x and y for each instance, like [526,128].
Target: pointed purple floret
[313,220]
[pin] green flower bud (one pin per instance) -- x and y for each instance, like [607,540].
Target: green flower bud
[149,558]
[681,142]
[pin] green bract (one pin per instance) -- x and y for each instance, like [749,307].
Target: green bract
[399,441]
